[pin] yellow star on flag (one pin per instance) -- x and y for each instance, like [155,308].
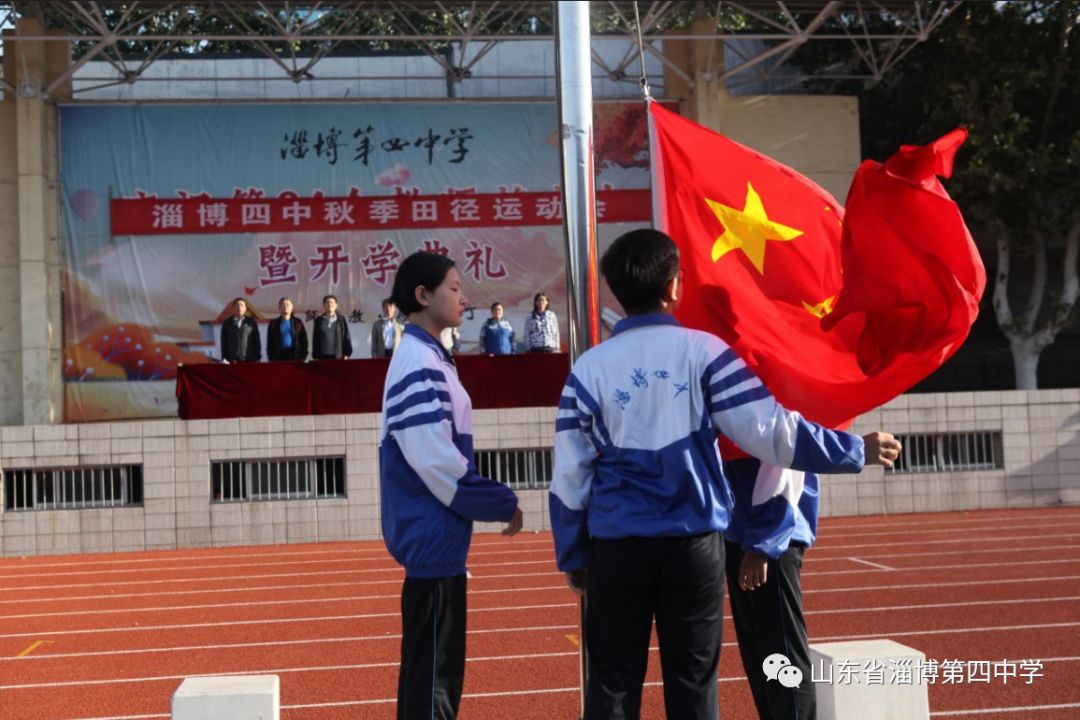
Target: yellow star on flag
[748,229]
[822,309]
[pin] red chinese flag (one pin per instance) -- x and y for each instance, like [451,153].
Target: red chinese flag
[836,313]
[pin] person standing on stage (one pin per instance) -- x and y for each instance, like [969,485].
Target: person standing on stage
[331,336]
[541,327]
[286,338]
[430,491]
[240,341]
[386,331]
[497,334]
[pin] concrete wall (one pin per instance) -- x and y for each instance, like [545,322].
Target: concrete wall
[10,318]
[1041,438]
[30,327]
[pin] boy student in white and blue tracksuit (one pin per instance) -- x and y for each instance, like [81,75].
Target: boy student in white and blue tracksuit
[638,497]
[497,334]
[430,490]
[773,522]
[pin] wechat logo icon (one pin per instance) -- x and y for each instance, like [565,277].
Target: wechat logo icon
[777,667]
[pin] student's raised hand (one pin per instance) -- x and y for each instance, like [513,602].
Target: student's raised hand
[753,571]
[881,449]
[514,526]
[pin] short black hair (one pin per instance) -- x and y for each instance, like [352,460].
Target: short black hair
[388,301]
[495,305]
[421,268]
[637,266]
[329,297]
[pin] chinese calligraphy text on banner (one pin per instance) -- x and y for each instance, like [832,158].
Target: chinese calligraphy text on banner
[170,212]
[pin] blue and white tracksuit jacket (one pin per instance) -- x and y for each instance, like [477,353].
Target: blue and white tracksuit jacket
[636,430]
[497,337]
[774,506]
[430,490]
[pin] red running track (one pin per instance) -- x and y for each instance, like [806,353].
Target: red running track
[112,636]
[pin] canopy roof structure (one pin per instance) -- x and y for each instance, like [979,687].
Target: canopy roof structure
[132,36]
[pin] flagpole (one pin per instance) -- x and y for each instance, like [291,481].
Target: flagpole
[574,67]
[573,62]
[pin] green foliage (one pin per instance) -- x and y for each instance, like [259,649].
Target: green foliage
[1010,73]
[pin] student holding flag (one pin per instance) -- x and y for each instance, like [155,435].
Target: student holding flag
[638,498]
[837,310]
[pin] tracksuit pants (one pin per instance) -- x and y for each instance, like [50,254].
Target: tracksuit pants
[432,669]
[680,582]
[770,620]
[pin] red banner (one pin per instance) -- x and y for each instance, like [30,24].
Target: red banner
[204,215]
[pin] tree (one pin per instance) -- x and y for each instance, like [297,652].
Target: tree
[1010,72]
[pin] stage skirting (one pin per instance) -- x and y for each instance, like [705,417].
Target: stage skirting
[332,387]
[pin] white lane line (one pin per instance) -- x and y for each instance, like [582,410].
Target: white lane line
[363,666]
[359,598]
[833,533]
[879,566]
[267,621]
[946,631]
[214,578]
[399,573]
[547,552]
[396,569]
[965,583]
[274,671]
[950,519]
[928,606]
[501,630]
[812,591]
[256,603]
[965,541]
[548,558]
[254,588]
[215,565]
[513,608]
[1008,522]
[262,551]
[548,549]
[993,551]
[999,710]
[554,691]
[473,590]
[960,566]
[282,643]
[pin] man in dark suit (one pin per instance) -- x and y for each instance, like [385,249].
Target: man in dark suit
[286,338]
[240,341]
[331,339]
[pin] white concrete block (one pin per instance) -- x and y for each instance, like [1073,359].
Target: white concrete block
[244,697]
[365,421]
[854,681]
[160,428]
[46,433]
[299,424]
[329,423]
[131,429]
[196,427]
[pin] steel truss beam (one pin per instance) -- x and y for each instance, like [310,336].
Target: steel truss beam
[131,36]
